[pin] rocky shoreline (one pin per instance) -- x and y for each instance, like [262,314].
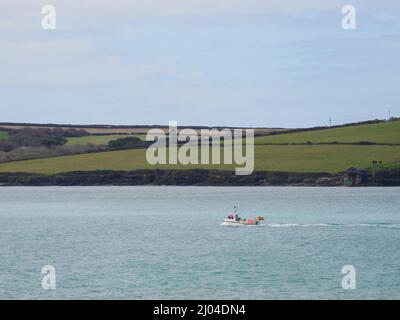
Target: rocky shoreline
[192,178]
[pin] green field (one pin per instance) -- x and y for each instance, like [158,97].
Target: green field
[315,158]
[290,158]
[98,140]
[3,135]
[384,132]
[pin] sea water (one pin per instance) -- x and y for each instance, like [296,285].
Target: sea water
[167,242]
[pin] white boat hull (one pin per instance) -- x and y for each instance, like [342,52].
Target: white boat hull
[240,223]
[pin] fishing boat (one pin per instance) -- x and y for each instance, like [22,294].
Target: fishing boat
[234,219]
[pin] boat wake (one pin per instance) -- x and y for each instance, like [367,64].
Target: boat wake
[370,225]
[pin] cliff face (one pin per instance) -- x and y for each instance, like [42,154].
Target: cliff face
[191,178]
[384,178]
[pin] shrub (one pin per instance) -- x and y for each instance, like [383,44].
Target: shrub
[366,142]
[125,143]
[54,141]
[7,146]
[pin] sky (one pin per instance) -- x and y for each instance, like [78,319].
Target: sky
[278,63]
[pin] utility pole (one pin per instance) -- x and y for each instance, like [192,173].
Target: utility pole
[330,121]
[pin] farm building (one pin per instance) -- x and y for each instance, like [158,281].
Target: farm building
[354,176]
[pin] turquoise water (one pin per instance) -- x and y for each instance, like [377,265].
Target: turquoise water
[167,242]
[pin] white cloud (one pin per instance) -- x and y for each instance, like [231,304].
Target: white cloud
[154,67]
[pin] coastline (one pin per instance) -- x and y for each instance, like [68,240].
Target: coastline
[197,177]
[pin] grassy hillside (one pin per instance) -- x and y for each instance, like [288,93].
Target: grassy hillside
[384,132]
[99,139]
[316,158]
[291,158]
[3,135]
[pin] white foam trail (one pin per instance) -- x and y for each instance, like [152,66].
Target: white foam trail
[282,225]
[371,225]
[375,225]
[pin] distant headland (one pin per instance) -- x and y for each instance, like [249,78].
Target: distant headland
[355,154]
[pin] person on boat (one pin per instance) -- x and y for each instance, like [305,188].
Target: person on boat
[236,215]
